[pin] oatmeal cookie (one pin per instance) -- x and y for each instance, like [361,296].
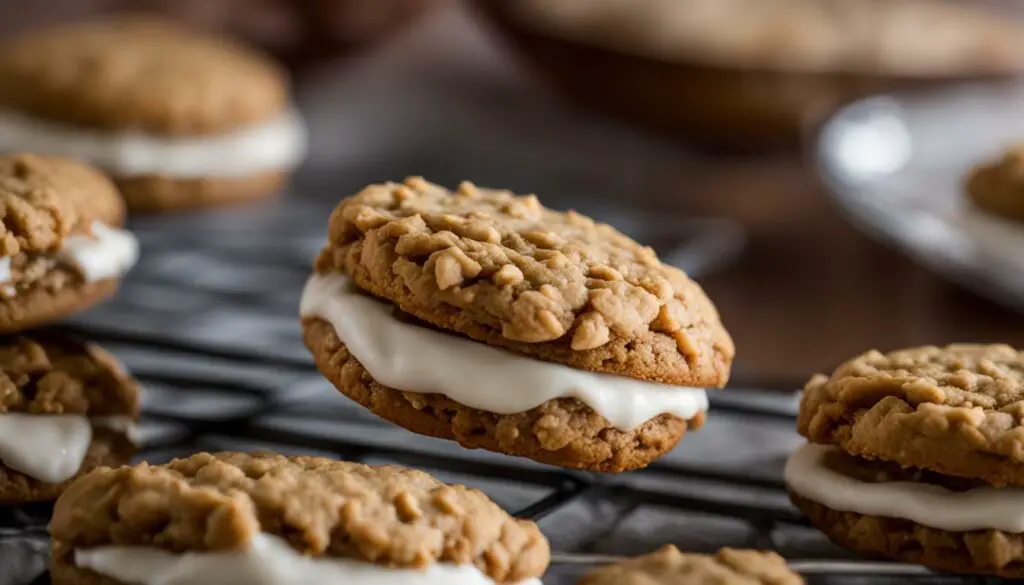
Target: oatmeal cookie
[915,455]
[504,270]
[956,410]
[387,517]
[60,248]
[179,118]
[481,316]
[66,407]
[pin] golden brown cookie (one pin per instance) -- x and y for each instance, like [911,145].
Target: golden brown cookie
[956,410]
[177,115]
[504,270]
[916,455]
[998,186]
[669,566]
[48,380]
[56,213]
[551,336]
[389,517]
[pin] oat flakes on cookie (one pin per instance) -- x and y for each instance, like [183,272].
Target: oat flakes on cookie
[669,566]
[178,118]
[65,408]
[265,519]
[917,455]
[997,187]
[480,316]
[61,247]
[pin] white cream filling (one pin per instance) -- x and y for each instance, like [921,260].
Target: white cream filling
[277,145]
[268,561]
[981,508]
[51,447]
[417,359]
[107,253]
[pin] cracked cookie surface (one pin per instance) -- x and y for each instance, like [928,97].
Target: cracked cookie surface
[669,566]
[956,410]
[386,515]
[502,269]
[44,199]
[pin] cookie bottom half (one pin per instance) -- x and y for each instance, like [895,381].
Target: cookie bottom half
[108,448]
[563,432]
[42,304]
[982,552]
[154,193]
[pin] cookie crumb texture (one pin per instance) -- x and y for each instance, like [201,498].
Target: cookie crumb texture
[385,515]
[139,73]
[51,374]
[956,410]
[988,552]
[43,199]
[669,566]
[502,269]
[563,432]
[998,187]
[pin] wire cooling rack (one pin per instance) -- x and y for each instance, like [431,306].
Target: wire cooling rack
[207,322]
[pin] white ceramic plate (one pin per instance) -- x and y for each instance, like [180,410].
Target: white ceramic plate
[895,165]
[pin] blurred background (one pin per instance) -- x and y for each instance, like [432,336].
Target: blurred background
[803,159]
[693,124]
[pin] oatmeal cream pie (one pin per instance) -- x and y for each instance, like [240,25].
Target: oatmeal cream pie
[179,119]
[997,186]
[248,519]
[61,249]
[66,408]
[917,455]
[669,566]
[481,316]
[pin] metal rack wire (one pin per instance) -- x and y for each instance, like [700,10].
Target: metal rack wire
[218,354]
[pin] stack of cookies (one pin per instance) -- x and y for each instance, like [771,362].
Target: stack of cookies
[916,455]
[65,407]
[482,317]
[179,119]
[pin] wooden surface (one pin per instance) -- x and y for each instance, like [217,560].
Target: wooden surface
[811,291]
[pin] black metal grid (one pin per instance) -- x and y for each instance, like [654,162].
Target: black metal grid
[218,354]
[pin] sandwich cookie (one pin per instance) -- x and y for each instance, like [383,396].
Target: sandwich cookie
[65,408]
[481,316]
[669,566]
[179,119]
[916,455]
[61,249]
[241,519]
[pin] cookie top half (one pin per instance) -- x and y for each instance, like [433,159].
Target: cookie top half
[669,566]
[48,373]
[139,73]
[956,410]
[505,270]
[43,199]
[324,508]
